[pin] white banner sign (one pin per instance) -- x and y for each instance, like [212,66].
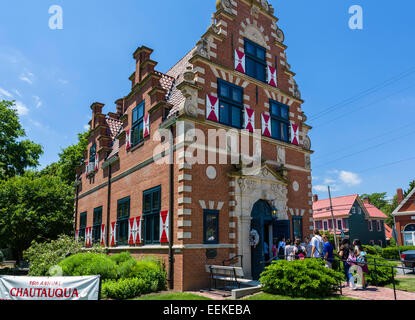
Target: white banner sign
[49,288]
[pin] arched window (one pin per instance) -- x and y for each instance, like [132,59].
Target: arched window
[409,235]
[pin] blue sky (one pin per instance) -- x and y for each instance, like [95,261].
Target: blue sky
[365,78]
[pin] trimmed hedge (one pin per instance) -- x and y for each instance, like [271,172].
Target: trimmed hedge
[307,278]
[86,264]
[123,276]
[127,288]
[393,252]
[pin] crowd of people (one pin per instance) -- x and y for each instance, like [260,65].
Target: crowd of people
[320,247]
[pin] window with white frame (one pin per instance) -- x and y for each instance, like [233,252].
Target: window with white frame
[379,225]
[409,235]
[325,225]
[340,224]
[370,225]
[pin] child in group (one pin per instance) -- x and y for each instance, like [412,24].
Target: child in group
[351,261]
[361,259]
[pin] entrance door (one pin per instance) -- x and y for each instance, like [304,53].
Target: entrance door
[282,229]
[261,220]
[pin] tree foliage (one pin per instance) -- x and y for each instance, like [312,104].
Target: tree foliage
[70,159]
[380,201]
[34,207]
[16,154]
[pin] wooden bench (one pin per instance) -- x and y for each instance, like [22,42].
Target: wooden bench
[230,275]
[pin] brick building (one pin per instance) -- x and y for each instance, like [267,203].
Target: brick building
[138,191]
[404,216]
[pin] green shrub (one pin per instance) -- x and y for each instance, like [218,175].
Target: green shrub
[122,257]
[392,242]
[300,278]
[393,252]
[379,276]
[1,257]
[370,250]
[88,264]
[126,288]
[42,256]
[378,249]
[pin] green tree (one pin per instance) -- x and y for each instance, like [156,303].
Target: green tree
[411,187]
[34,207]
[16,155]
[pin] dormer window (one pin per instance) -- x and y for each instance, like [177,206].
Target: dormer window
[255,60]
[137,132]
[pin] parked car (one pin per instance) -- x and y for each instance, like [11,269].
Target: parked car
[409,258]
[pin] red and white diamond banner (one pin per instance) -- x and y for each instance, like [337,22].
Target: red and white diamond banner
[249,119]
[146,126]
[127,139]
[272,76]
[212,108]
[295,134]
[113,233]
[266,125]
[164,227]
[239,61]
[102,240]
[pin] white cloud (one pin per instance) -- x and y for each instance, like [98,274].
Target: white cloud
[38,102]
[329,181]
[86,127]
[27,77]
[63,81]
[22,110]
[350,178]
[5,93]
[17,92]
[320,188]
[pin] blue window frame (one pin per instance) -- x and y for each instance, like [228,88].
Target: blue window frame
[151,215]
[137,131]
[210,227]
[96,227]
[230,104]
[92,153]
[82,226]
[280,120]
[298,228]
[123,216]
[255,60]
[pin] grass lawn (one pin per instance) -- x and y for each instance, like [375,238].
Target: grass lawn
[267,296]
[172,296]
[404,284]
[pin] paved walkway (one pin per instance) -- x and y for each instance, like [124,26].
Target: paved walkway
[378,293]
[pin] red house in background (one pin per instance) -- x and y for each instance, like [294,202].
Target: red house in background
[404,216]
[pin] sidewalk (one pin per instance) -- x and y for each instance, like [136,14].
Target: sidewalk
[377,293]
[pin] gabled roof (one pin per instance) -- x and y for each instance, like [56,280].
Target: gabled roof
[388,232]
[176,72]
[114,127]
[341,207]
[374,212]
[409,197]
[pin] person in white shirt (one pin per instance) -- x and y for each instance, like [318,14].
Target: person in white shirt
[316,245]
[308,247]
[290,251]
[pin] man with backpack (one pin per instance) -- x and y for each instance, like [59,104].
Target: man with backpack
[316,245]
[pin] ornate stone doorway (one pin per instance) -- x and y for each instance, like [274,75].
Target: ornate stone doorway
[266,185]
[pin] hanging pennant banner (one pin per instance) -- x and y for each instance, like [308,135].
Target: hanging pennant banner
[49,288]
